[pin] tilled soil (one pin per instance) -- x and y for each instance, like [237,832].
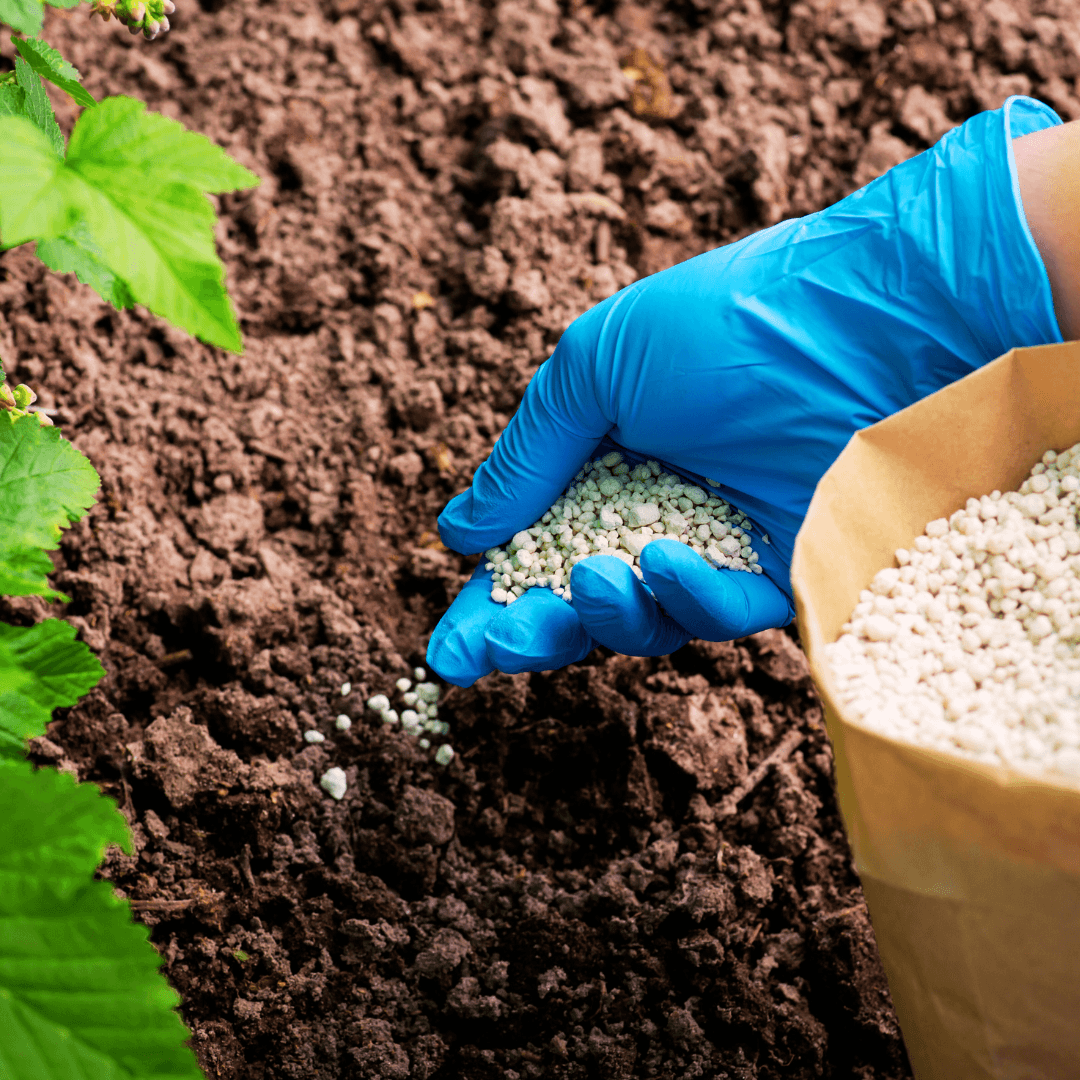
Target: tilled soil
[632,868]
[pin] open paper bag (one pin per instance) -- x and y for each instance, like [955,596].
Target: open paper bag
[971,872]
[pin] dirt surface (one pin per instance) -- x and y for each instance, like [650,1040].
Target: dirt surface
[631,868]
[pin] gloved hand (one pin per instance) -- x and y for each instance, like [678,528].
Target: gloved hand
[752,365]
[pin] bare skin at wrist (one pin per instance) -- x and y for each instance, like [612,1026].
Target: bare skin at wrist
[1048,168]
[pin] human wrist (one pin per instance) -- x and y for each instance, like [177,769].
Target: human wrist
[1048,172]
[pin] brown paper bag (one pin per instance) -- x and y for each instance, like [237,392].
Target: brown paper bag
[971,872]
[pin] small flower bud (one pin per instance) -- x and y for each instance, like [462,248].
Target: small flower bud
[164,25]
[168,7]
[45,421]
[7,398]
[24,396]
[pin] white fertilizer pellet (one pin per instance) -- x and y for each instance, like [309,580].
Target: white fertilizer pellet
[333,782]
[419,715]
[445,754]
[314,736]
[614,509]
[971,642]
[427,692]
[343,722]
[346,689]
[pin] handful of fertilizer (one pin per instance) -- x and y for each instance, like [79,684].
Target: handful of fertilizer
[614,509]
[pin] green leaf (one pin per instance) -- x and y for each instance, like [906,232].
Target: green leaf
[42,667]
[23,15]
[26,97]
[73,824]
[81,996]
[76,253]
[45,484]
[35,197]
[49,64]
[121,135]
[138,180]
[12,100]
[37,107]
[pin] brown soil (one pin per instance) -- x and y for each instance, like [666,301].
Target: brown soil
[632,868]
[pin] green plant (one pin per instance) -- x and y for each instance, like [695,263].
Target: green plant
[123,206]
[80,993]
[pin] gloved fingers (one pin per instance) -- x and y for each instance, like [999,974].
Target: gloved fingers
[538,632]
[556,428]
[713,604]
[476,636]
[617,610]
[457,652]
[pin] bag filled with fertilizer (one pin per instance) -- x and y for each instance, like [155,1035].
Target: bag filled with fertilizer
[956,767]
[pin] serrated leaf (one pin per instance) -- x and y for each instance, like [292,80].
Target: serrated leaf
[12,100]
[45,484]
[138,180]
[49,64]
[37,107]
[73,824]
[34,51]
[42,667]
[81,996]
[121,135]
[76,253]
[23,15]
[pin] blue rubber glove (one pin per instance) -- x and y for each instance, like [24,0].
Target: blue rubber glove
[753,365]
